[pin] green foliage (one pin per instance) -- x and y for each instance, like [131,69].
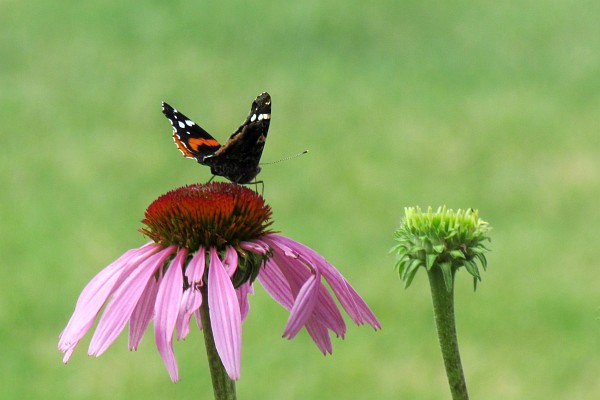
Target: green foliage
[442,239]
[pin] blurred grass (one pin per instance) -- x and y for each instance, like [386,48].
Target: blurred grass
[468,104]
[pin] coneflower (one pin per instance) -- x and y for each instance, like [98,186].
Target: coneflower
[209,243]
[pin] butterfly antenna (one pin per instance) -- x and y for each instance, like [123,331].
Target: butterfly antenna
[286,158]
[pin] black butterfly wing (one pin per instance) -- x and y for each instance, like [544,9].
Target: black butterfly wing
[246,144]
[190,138]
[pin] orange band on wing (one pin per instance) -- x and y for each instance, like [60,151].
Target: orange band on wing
[182,148]
[197,143]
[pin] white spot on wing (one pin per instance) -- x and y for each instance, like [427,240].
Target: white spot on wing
[253,118]
[189,122]
[181,124]
[264,116]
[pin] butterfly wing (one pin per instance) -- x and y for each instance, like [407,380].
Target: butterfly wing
[190,138]
[237,160]
[246,144]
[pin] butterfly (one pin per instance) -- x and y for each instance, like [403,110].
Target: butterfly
[237,159]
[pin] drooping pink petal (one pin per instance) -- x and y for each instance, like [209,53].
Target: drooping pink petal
[296,270]
[94,296]
[328,314]
[225,316]
[119,309]
[354,305]
[192,297]
[278,285]
[326,311]
[166,310]
[195,269]
[320,336]
[242,293]
[274,282]
[198,317]
[190,303]
[142,314]
[230,263]
[303,307]
[350,300]
[286,275]
[255,247]
[364,313]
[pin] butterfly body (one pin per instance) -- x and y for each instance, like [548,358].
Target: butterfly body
[237,159]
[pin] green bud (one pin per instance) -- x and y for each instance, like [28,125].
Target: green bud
[442,239]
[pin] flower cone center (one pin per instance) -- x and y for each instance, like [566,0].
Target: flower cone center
[212,214]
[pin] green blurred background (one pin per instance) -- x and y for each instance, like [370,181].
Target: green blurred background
[468,104]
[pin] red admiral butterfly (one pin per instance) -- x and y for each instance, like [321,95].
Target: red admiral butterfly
[236,160]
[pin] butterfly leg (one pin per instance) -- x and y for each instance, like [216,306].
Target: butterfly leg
[262,187]
[211,178]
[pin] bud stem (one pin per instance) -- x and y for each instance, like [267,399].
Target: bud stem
[223,387]
[443,310]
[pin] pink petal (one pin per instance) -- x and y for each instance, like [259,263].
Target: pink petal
[295,271]
[198,318]
[231,261]
[190,303]
[142,314]
[350,300]
[254,247]
[328,314]
[225,316]
[94,296]
[166,310]
[192,298]
[320,336]
[303,307]
[274,282]
[119,309]
[242,293]
[354,305]
[195,268]
[286,276]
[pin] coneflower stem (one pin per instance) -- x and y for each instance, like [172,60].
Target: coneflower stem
[443,310]
[223,387]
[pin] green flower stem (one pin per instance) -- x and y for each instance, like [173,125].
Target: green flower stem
[223,387]
[443,310]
